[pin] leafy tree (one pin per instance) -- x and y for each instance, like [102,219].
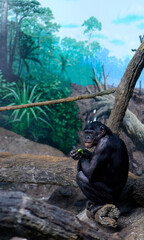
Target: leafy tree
[42,28]
[64,63]
[36,56]
[21,9]
[75,49]
[27,52]
[65,122]
[91,25]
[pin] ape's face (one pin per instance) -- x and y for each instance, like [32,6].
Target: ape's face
[89,137]
[93,134]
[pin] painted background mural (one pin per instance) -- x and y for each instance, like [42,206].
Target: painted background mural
[47,45]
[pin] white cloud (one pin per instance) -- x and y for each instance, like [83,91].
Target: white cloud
[74,12]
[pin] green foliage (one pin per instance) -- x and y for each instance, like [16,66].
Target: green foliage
[24,7]
[27,52]
[56,125]
[22,118]
[65,122]
[1,78]
[91,25]
[36,56]
[64,63]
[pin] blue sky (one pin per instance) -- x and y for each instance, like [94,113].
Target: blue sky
[122,22]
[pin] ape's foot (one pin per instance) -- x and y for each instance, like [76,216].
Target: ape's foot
[91,209]
[89,205]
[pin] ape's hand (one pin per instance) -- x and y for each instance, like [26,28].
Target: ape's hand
[77,154]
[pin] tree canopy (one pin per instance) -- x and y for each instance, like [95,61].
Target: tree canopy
[35,56]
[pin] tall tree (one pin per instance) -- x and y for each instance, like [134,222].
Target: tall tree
[91,25]
[125,89]
[21,9]
[27,52]
[42,28]
[3,37]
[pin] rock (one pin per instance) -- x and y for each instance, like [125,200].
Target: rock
[16,144]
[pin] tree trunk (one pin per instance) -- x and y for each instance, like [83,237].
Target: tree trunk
[105,79]
[12,53]
[131,125]
[125,89]
[97,82]
[3,38]
[33,169]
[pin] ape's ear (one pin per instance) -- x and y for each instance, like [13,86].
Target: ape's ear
[102,130]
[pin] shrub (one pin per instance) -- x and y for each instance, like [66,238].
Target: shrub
[56,125]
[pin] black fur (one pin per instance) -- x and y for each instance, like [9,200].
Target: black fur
[102,174]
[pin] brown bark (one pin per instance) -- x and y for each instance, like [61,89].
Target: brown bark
[63,100]
[130,124]
[28,169]
[22,215]
[36,219]
[125,89]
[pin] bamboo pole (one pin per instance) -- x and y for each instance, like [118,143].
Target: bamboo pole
[57,101]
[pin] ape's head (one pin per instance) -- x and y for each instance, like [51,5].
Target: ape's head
[93,132]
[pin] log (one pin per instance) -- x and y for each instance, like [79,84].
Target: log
[29,168]
[26,217]
[29,218]
[33,169]
[34,218]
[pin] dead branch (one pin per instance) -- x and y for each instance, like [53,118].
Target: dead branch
[57,101]
[97,82]
[105,79]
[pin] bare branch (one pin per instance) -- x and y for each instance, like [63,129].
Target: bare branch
[97,82]
[62,100]
[105,79]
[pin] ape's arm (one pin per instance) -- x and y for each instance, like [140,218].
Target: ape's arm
[99,160]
